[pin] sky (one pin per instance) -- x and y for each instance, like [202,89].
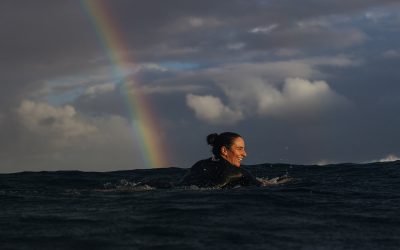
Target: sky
[310,83]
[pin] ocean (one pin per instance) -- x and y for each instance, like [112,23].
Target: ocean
[342,206]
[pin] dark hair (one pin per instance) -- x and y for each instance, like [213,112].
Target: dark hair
[217,141]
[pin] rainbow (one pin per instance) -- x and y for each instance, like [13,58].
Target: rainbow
[142,117]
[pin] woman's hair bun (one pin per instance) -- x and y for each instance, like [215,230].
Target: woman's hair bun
[211,139]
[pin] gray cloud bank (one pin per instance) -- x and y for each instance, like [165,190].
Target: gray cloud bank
[309,83]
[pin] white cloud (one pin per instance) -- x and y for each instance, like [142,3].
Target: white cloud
[60,138]
[300,95]
[377,15]
[100,89]
[59,123]
[254,96]
[264,29]
[251,94]
[296,97]
[280,89]
[211,109]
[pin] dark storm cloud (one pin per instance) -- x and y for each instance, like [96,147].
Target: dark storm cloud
[46,32]
[43,32]
[208,27]
[39,41]
[37,30]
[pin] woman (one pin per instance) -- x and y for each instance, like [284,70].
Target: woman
[223,169]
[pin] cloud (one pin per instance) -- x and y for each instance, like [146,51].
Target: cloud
[264,29]
[297,97]
[314,23]
[276,71]
[94,80]
[150,67]
[273,71]
[251,96]
[61,138]
[188,23]
[377,15]
[278,89]
[287,52]
[391,54]
[236,46]
[100,89]
[337,61]
[303,35]
[58,123]
[306,97]
[211,109]
[167,89]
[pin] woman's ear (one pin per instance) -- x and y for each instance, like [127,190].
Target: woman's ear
[224,151]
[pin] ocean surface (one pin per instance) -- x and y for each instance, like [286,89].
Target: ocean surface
[343,206]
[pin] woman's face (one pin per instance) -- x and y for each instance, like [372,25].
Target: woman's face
[235,153]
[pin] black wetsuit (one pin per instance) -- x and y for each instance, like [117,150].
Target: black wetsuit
[218,173]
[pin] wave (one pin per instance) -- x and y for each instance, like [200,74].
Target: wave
[151,179]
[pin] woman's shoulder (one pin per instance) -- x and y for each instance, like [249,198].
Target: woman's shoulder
[202,163]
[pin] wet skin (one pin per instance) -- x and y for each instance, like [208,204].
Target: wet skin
[235,153]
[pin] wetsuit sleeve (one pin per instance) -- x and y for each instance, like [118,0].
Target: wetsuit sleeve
[233,176]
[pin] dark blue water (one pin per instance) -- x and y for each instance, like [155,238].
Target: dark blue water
[346,206]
